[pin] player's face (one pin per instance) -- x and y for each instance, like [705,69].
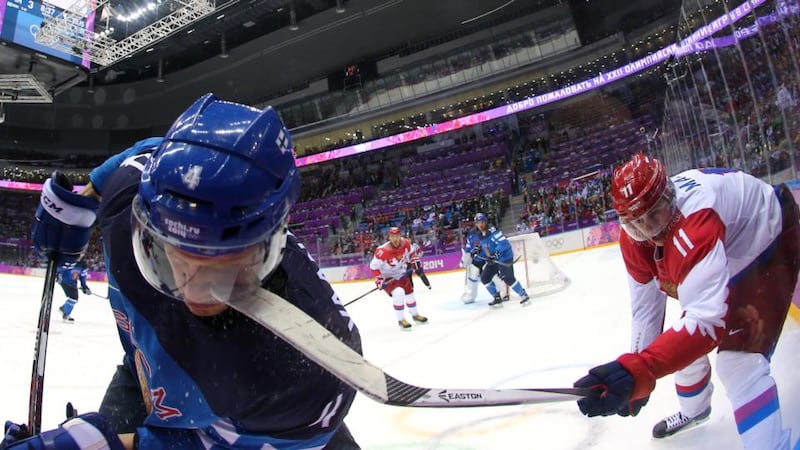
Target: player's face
[394,239]
[652,224]
[482,225]
[206,283]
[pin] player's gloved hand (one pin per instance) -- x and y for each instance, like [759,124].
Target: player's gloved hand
[381,282]
[613,386]
[474,252]
[90,430]
[633,407]
[86,290]
[63,221]
[492,258]
[14,432]
[416,264]
[617,384]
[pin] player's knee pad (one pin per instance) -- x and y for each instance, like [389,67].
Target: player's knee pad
[487,275]
[398,296]
[506,274]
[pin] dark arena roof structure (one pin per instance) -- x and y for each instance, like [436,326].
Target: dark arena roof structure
[376,28]
[146,59]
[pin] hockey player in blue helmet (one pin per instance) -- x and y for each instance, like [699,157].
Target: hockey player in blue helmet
[188,221]
[472,272]
[491,252]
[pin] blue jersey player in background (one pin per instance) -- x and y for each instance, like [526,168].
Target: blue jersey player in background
[492,254]
[186,221]
[68,279]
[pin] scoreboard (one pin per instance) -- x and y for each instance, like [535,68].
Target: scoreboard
[21,20]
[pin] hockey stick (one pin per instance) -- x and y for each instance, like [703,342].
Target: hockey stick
[40,351]
[376,288]
[313,340]
[98,295]
[504,264]
[362,295]
[500,263]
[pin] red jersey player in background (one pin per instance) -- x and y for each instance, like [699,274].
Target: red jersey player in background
[392,265]
[727,246]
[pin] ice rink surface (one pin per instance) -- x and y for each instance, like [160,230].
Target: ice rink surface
[551,343]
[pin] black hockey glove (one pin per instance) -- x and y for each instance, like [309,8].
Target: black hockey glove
[613,386]
[474,252]
[633,407]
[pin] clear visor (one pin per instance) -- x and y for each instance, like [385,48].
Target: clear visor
[653,222]
[206,283]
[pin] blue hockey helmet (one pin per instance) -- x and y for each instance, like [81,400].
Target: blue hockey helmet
[481,217]
[221,183]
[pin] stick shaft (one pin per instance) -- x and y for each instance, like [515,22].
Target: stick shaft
[312,339]
[40,350]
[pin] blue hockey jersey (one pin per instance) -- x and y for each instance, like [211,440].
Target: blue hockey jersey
[71,276]
[222,381]
[493,242]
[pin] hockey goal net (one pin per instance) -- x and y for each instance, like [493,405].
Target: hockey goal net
[534,268]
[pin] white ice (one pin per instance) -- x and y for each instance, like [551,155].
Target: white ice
[551,343]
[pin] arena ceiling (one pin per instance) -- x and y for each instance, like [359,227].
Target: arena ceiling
[363,30]
[367,28]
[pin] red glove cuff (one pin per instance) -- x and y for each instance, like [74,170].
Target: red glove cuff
[644,380]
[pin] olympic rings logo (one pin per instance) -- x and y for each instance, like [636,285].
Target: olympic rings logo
[554,242]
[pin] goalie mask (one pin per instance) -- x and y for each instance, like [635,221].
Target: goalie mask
[644,198]
[209,220]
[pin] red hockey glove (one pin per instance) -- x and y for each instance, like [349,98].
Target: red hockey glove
[381,282]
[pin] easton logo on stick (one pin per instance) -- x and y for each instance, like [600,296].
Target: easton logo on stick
[447,396]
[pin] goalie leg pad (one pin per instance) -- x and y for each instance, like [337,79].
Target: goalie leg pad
[470,284]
